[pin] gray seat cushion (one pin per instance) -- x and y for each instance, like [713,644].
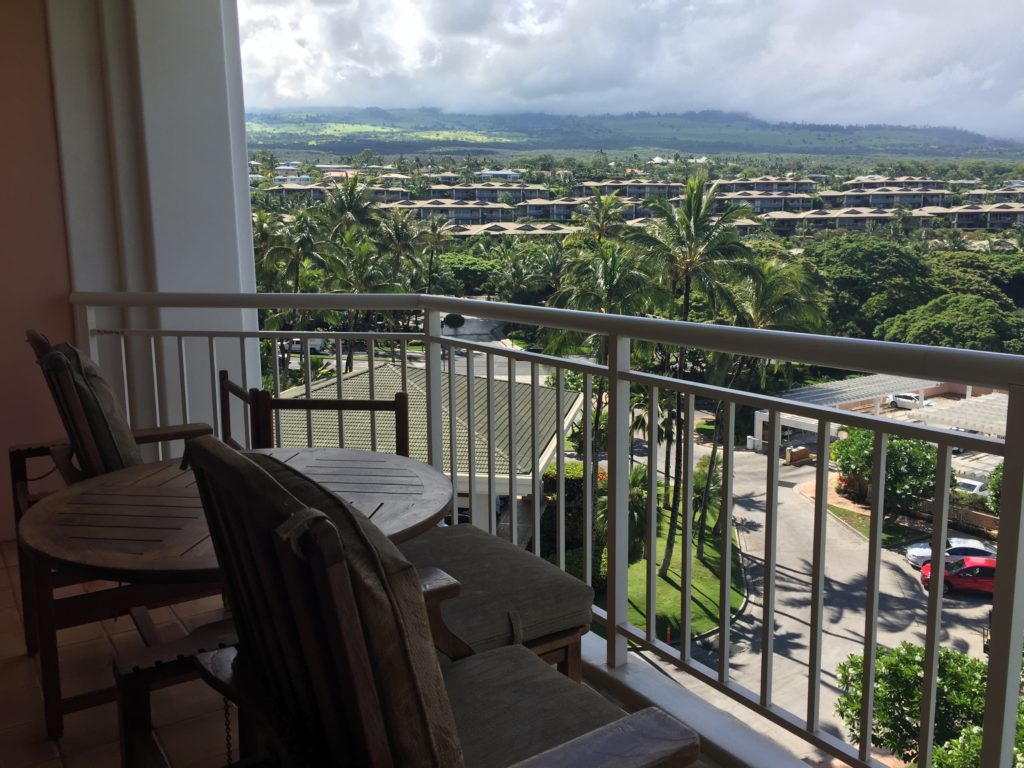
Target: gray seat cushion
[510,705]
[508,595]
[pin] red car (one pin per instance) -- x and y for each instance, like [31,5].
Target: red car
[976,574]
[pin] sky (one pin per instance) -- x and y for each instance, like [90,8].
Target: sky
[912,62]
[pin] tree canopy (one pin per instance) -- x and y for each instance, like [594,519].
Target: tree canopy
[957,320]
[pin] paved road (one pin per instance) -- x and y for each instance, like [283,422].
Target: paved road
[902,601]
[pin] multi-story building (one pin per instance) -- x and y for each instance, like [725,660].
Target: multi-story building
[766,184]
[628,188]
[886,197]
[1001,195]
[489,192]
[457,211]
[874,180]
[762,202]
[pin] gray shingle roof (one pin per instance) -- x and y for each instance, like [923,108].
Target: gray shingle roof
[387,380]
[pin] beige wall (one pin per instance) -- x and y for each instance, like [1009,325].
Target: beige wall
[35,286]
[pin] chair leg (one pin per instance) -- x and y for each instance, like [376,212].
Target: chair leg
[28,604]
[572,664]
[138,747]
[46,634]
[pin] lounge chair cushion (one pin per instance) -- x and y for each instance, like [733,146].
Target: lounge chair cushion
[421,727]
[508,595]
[107,422]
[509,706]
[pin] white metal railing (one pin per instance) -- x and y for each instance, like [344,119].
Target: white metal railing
[502,394]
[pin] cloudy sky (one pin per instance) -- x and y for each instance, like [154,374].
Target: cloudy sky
[934,62]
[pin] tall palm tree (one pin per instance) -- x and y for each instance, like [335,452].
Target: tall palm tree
[266,231]
[614,279]
[350,203]
[301,246]
[397,237]
[547,268]
[358,268]
[600,217]
[433,238]
[700,251]
[778,296]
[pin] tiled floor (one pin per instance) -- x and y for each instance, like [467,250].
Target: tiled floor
[189,718]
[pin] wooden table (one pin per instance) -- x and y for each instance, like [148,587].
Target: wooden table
[145,526]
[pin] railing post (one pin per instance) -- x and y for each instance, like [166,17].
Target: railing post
[1004,656]
[432,329]
[618,497]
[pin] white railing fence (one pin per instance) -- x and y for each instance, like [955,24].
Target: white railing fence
[504,428]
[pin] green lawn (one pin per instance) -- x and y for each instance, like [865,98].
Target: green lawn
[893,534]
[704,590]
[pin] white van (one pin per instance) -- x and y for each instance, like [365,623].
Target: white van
[316,346]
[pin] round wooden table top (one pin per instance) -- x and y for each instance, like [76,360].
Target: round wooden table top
[146,523]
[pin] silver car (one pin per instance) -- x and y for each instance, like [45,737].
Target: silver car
[921,553]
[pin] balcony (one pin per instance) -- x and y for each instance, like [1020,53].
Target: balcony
[760,684]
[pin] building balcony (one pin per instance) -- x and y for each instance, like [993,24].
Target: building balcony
[758,682]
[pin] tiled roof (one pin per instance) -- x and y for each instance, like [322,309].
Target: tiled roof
[387,380]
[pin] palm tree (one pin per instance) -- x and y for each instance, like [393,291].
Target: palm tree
[547,268]
[601,219]
[358,268]
[301,246]
[266,231]
[512,267]
[779,296]
[397,237]
[614,279]
[433,238]
[350,203]
[700,250]
[637,514]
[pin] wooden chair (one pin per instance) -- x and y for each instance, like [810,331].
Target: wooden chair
[260,404]
[99,441]
[336,665]
[508,596]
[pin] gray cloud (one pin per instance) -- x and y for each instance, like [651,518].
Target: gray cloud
[808,60]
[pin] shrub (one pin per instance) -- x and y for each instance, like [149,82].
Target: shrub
[909,468]
[995,489]
[960,697]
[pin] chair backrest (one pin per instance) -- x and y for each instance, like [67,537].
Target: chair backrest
[97,428]
[225,391]
[278,609]
[261,405]
[328,612]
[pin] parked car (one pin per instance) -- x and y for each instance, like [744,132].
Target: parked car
[921,553]
[973,574]
[909,401]
[316,346]
[970,485]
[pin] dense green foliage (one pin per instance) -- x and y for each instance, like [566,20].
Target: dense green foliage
[869,279]
[995,488]
[957,320]
[960,697]
[909,468]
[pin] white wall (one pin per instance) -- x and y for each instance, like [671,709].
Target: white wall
[151,129]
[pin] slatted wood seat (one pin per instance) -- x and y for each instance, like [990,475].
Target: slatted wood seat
[336,665]
[508,596]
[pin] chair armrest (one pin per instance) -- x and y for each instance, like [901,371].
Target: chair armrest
[437,587]
[172,432]
[647,739]
[58,451]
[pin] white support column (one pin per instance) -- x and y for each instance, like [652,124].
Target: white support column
[435,450]
[1004,656]
[151,128]
[618,497]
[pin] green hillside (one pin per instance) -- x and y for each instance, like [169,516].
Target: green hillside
[424,131]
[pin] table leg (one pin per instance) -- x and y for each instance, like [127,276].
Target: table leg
[46,635]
